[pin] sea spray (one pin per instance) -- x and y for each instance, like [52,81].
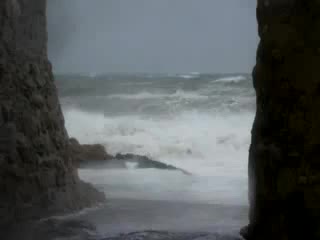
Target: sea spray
[200,124]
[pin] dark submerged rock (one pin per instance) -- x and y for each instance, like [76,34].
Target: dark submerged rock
[144,162]
[37,175]
[96,156]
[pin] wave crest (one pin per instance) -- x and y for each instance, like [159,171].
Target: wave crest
[197,141]
[181,94]
[233,79]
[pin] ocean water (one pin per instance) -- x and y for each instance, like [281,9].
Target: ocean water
[197,122]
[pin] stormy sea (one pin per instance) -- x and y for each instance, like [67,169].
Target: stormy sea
[197,122]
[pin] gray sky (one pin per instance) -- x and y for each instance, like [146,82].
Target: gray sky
[163,36]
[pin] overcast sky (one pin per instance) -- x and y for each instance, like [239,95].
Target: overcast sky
[163,36]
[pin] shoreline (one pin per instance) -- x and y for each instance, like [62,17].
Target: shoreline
[123,216]
[126,219]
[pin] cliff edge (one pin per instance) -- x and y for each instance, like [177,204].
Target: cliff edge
[37,174]
[284,167]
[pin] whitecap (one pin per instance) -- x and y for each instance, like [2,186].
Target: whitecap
[196,141]
[232,79]
[186,76]
[188,95]
[180,94]
[138,96]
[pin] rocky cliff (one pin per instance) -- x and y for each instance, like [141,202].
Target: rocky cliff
[284,167]
[37,175]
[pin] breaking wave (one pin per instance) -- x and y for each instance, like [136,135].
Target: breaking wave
[148,95]
[197,124]
[233,79]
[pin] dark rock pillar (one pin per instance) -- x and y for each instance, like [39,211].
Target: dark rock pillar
[284,161]
[37,176]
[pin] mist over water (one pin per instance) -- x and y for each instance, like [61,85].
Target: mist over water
[198,122]
[152,35]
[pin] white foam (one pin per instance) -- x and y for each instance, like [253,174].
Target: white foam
[138,96]
[185,76]
[180,94]
[188,95]
[233,79]
[214,148]
[198,142]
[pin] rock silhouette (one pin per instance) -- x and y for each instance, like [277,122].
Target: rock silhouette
[284,168]
[37,175]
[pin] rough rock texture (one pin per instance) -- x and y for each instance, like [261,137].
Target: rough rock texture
[84,153]
[144,162]
[96,156]
[37,177]
[284,166]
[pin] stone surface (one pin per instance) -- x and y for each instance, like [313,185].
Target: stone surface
[84,153]
[95,155]
[37,176]
[284,169]
[144,162]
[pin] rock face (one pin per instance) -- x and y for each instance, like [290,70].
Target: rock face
[143,162]
[96,156]
[284,167]
[37,176]
[84,153]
